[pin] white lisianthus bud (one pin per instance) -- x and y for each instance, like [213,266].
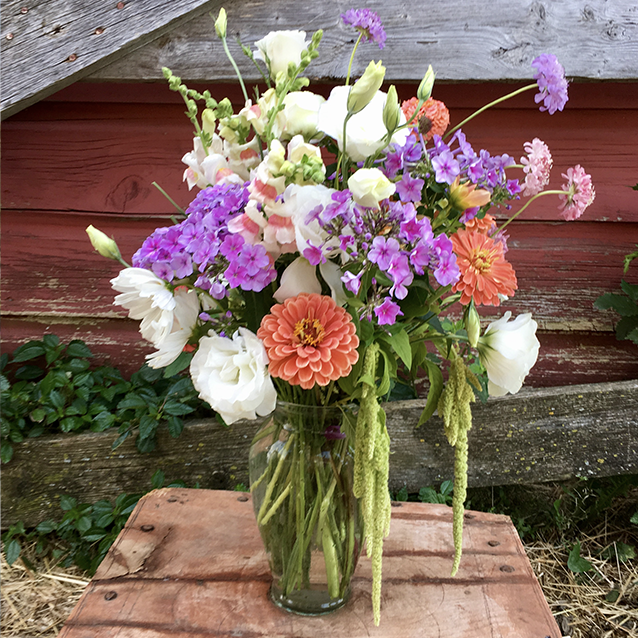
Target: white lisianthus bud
[472,325]
[280,48]
[366,87]
[300,276]
[220,23]
[391,110]
[103,244]
[508,351]
[427,83]
[369,186]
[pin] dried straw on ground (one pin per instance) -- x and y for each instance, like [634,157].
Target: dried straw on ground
[37,603]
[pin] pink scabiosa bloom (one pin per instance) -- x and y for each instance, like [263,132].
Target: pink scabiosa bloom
[537,166]
[579,193]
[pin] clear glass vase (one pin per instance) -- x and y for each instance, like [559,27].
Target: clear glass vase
[301,475]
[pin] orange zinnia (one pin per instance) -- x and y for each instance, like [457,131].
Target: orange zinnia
[483,225]
[436,112]
[484,271]
[309,339]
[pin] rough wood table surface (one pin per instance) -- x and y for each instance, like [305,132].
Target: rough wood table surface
[191,563]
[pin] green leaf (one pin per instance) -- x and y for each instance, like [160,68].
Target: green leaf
[623,551]
[148,426]
[634,519]
[181,363]
[38,415]
[400,343]
[84,524]
[612,596]
[428,495]
[120,439]
[575,562]
[175,426]
[93,535]
[158,479]
[12,551]
[50,341]
[621,304]
[174,408]
[104,521]
[5,386]
[626,326]
[182,385]
[71,423]
[77,348]
[631,290]
[133,401]
[6,451]
[434,393]
[67,502]
[56,399]
[447,487]
[145,445]
[46,527]
[28,351]
[102,421]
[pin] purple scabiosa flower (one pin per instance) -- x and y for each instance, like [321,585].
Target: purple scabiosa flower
[409,188]
[550,77]
[387,312]
[367,22]
[383,251]
[446,167]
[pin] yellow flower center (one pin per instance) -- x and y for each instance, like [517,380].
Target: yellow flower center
[309,332]
[482,261]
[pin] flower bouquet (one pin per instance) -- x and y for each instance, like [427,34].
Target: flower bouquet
[336,252]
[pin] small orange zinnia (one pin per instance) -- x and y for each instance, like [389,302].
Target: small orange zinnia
[309,339]
[484,271]
[483,225]
[434,110]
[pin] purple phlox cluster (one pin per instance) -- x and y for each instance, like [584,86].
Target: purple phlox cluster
[460,159]
[550,77]
[409,188]
[366,22]
[401,157]
[392,240]
[202,244]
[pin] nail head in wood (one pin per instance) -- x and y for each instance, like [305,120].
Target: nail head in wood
[242,499]
[72,58]
[469,516]
[147,528]
[395,504]
[99,31]
[172,499]
[24,10]
[493,543]
[120,5]
[9,36]
[110,595]
[508,569]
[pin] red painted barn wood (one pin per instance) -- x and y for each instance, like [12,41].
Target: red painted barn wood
[89,155]
[175,570]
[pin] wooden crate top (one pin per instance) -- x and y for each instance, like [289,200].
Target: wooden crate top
[190,563]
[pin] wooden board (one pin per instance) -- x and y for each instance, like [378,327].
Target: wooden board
[190,563]
[536,435]
[462,40]
[75,38]
[103,156]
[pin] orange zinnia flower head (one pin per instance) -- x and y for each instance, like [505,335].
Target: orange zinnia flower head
[309,339]
[484,225]
[484,271]
[438,117]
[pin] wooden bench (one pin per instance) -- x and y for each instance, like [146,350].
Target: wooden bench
[191,563]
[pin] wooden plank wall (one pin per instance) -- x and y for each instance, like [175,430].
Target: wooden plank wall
[89,154]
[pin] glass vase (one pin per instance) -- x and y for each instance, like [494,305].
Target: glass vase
[301,475]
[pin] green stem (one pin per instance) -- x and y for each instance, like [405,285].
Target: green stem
[487,106]
[343,151]
[274,479]
[356,44]
[169,198]
[275,506]
[528,202]
[232,61]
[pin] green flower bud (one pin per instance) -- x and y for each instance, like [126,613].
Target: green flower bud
[472,325]
[103,244]
[366,87]
[425,88]
[391,110]
[220,23]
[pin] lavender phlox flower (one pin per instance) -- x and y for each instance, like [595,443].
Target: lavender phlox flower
[413,229]
[203,282]
[314,255]
[402,276]
[499,237]
[409,188]
[231,246]
[351,281]
[468,214]
[204,316]
[446,167]
[383,251]
[447,272]
[218,290]
[513,187]
[182,265]
[367,22]
[421,255]
[550,77]
[387,312]
[163,270]
[253,258]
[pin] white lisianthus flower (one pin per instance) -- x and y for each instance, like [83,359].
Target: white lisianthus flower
[146,297]
[231,375]
[184,320]
[279,48]
[369,186]
[331,274]
[301,113]
[300,276]
[365,131]
[508,350]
